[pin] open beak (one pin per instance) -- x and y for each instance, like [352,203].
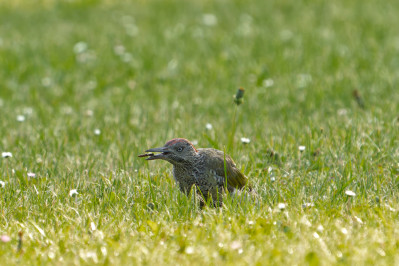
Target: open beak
[163,151]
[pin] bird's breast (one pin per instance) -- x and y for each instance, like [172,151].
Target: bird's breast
[184,177]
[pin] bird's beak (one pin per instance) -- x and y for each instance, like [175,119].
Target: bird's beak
[163,152]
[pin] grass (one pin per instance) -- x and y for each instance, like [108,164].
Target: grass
[145,72]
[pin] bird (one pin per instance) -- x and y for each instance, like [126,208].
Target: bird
[211,171]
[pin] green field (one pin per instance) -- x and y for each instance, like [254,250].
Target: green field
[86,86]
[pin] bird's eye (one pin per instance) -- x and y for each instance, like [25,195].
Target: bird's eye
[180,149]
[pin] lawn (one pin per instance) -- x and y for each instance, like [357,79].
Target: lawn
[86,86]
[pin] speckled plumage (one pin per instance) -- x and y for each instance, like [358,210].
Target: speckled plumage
[204,168]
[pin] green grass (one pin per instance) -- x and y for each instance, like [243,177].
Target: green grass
[149,71]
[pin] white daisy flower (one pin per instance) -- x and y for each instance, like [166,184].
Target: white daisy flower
[80,47]
[350,193]
[245,140]
[73,193]
[31,175]
[281,206]
[6,154]
[20,118]
[209,19]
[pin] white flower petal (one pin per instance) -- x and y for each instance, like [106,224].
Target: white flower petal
[5,238]
[342,112]
[32,175]
[350,193]
[93,226]
[6,154]
[189,250]
[390,208]
[281,206]
[358,219]
[245,140]
[209,19]
[267,83]
[80,47]
[20,118]
[308,205]
[73,193]
[89,113]
[235,245]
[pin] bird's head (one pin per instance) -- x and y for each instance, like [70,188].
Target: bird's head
[175,151]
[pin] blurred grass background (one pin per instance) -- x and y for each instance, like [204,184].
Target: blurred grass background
[143,72]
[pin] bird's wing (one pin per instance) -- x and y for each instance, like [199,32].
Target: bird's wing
[216,160]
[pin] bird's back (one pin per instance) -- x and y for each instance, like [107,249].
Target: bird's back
[223,166]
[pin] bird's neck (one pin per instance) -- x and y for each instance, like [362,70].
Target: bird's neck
[186,164]
[183,164]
